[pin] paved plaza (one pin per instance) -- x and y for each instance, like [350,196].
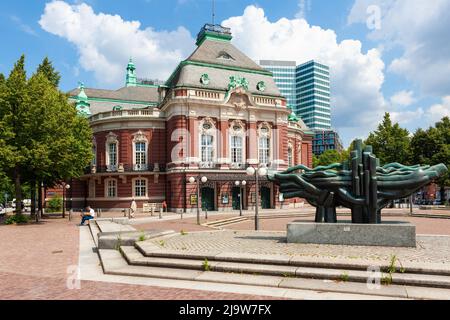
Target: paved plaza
[37,260]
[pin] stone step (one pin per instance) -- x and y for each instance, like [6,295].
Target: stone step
[134,257]
[112,226]
[93,227]
[113,263]
[149,249]
[224,222]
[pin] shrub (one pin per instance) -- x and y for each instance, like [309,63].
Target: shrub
[55,204]
[17,219]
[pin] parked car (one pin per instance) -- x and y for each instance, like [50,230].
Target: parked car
[437,202]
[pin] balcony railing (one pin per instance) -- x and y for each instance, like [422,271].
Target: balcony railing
[238,166]
[127,168]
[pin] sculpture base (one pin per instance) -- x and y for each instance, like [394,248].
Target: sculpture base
[390,234]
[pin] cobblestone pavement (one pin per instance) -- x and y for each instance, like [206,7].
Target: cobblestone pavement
[423,225]
[429,249]
[33,265]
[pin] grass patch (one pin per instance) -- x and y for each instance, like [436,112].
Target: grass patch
[206,266]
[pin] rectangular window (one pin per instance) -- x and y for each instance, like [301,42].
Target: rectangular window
[140,188]
[111,191]
[207,148]
[112,152]
[236,149]
[140,153]
[264,150]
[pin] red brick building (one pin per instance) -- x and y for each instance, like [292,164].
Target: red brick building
[218,114]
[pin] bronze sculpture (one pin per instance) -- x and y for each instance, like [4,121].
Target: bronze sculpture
[360,184]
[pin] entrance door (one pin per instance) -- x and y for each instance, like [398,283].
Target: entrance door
[208,199]
[236,193]
[265,197]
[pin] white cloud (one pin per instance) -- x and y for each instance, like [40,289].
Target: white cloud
[437,111]
[403,98]
[105,42]
[421,29]
[356,77]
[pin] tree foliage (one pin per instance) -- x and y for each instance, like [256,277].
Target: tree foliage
[42,137]
[327,158]
[390,142]
[432,146]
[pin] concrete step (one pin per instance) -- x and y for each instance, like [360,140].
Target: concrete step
[112,226]
[113,263]
[223,222]
[149,249]
[134,257]
[93,227]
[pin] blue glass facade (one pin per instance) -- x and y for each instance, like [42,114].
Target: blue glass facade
[313,95]
[284,76]
[326,140]
[306,88]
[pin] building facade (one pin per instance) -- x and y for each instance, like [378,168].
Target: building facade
[218,114]
[284,77]
[313,95]
[326,140]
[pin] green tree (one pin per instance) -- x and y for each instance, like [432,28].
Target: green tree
[390,142]
[45,139]
[432,147]
[46,67]
[329,157]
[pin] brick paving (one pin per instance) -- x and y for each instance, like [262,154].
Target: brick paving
[430,249]
[34,260]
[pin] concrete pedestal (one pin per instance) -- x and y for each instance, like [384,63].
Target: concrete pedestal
[390,234]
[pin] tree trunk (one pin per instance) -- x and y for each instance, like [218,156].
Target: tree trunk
[33,197]
[40,199]
[18,190]
[442,192]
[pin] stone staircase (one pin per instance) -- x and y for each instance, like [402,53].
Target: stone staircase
[148,259]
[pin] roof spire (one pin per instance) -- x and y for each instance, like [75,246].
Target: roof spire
[82,104]
[131,79]
[213,11]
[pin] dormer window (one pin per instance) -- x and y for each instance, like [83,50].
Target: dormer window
[224,55]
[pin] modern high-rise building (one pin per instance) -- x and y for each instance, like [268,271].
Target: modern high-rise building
[313,95]
[307,90]
[284,76]
[326,140]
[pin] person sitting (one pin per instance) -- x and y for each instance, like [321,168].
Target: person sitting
[88,215]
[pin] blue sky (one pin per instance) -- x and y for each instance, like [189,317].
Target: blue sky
[401,66]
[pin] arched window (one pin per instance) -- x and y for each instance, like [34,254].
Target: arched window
[207,143]
[290,156]
[110,188]
[112,152]
[264,143]
[237,134]
[140,143]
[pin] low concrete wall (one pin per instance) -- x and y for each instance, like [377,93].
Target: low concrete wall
[392,234]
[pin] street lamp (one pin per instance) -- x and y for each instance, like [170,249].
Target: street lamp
[193,180]
[238,184]
[65,186]
[251,171]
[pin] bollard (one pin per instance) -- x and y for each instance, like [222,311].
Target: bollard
[206,214]
[129,213]
[124,212]
[160,213]
[70,214]
[153,211]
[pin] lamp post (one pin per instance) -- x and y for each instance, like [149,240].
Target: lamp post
[65,186]
[193,180]
[240,184]
[251,171]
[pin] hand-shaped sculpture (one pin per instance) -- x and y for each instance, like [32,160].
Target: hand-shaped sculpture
[360,184]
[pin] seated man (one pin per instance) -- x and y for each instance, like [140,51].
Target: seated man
[88,215]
